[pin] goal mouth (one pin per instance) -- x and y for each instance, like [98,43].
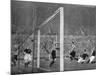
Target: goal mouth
[50,36]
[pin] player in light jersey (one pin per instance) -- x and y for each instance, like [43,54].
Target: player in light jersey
[27,57]
[92,57]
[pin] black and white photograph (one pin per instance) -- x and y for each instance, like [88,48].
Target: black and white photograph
[52,37]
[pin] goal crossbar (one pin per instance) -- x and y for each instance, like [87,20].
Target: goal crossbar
[49,18]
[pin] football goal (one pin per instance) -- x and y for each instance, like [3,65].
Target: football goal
[50,35]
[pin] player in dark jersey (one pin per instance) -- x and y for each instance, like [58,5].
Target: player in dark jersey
[72,54]
[53,57]
[94,53]
[82,58]
[14,58]
[84,55]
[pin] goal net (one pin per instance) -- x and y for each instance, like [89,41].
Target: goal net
[50,37]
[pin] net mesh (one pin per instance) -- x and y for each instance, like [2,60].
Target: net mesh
[49,38]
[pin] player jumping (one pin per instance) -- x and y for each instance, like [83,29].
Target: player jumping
[53,57]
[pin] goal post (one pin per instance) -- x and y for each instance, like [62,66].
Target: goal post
[61,39]
[38,50]
[61,33]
